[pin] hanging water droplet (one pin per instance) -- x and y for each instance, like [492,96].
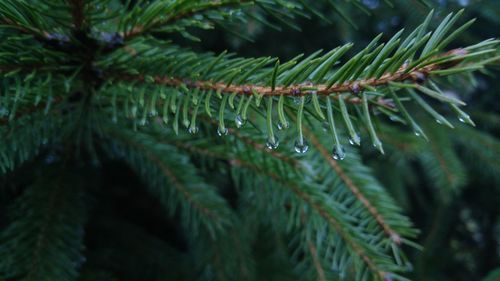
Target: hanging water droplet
[222,131]
[283,126]
[301,146]
[462,119]
[240,122]
[417,133]
[338,153]
[439,121]
[193,130]
[272,143]
[355,140]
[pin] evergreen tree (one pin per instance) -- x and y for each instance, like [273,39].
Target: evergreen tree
[253,168]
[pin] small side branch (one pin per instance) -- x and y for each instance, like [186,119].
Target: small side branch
[42,34]
[139,29]
[390,232]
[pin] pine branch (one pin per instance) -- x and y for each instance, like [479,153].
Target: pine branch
[210,209]
[25,138]
[44,241]
[19,15]
[370,79]
[391,233]
[441,163]
[31,110]
[317,263]
[403,74]
[139,30]
[302,192]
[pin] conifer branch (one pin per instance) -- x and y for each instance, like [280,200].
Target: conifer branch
[317,263]
[391,233]
[31,110]
[28,30]
[19,15]
[313,251]
[168,173]
[442,163]
[44,240]
[139,30]
[403,74]
[307,198]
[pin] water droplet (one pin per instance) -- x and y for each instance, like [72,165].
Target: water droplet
[355,140]
[283,126]
[240,122]
[439,121]
[462,119]
[417,133]
[222,131]
[301,146]
[338,153]
[272,143]
[186,123]
[193,130]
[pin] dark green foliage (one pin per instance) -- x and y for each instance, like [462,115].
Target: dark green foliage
[170,163]
[44,242]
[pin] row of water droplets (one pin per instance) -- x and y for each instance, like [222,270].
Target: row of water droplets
[300,146]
